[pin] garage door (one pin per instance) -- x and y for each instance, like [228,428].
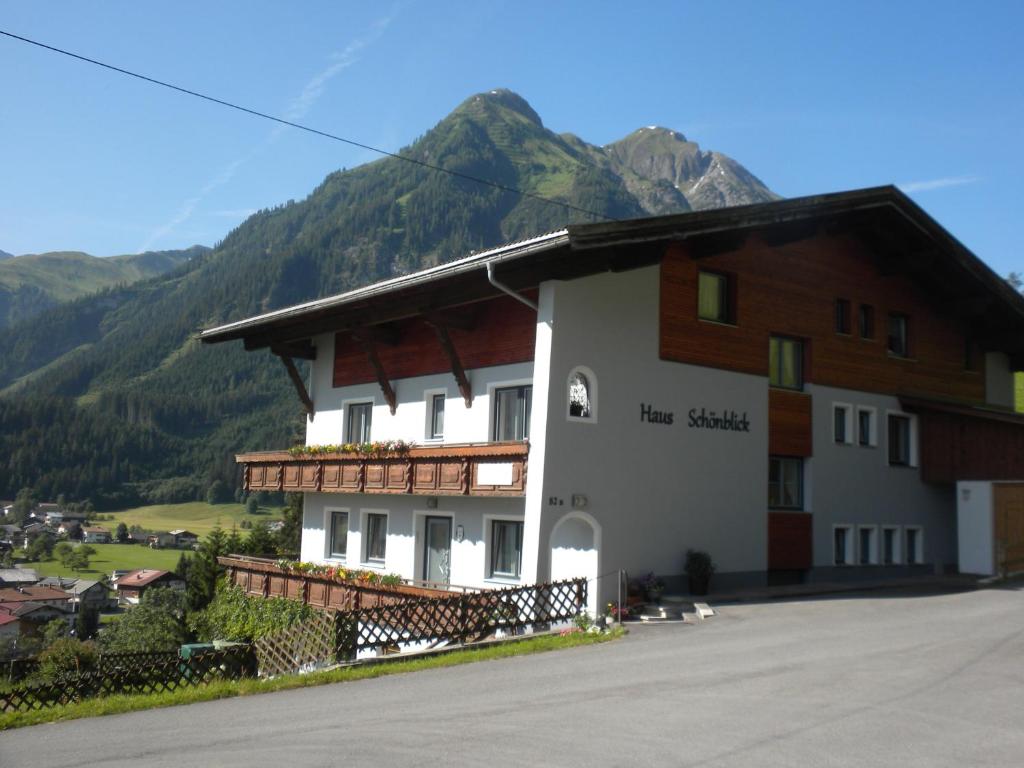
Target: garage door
[1008,508]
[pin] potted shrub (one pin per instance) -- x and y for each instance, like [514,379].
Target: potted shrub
[652,587]
[698,570]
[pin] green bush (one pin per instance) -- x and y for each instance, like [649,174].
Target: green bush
[233,616]
[67,656]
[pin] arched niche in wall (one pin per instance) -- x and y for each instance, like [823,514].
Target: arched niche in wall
[581,389]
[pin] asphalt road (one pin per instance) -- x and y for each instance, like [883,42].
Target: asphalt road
[901,680]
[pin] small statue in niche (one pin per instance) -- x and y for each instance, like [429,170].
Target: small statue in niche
[579,396]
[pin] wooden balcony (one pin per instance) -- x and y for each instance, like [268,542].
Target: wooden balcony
[471,469]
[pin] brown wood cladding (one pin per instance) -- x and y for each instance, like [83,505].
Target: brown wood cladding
[505,332]
[790,290]
[1008,526]
[789,423]
[789,541]
[956,447]
[264,579]
[430,471]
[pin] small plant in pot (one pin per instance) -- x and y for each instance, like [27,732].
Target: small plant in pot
[652,588]
[698,571]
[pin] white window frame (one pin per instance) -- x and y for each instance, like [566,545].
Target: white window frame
[897,555]
[591,393]
[492,389]
[847,419]
[919,559]
[489,521]
[873,437]
[872,548]
[364,536]
[850,549]
[428,422]
[913,437]
[345,405]
[329,531]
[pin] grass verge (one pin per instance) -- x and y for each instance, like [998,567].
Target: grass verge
[113,705]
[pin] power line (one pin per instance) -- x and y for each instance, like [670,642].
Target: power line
[308,129]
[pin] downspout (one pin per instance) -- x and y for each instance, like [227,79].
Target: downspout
[505,289]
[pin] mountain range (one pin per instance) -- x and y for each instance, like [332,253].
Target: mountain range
[32,283]
[109,397]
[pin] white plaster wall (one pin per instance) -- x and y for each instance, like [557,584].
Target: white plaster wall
[655,489]
[409,422]
[998,379]
[855,485]
[470,557]
[974,527]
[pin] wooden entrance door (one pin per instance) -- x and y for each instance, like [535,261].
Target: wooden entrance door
[1008,509]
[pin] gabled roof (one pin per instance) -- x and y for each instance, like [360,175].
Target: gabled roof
[24,594]
[900,235]
[142,578]
[22,575]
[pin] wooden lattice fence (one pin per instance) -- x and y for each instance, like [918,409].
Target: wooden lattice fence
[332,637]
[300,648]
[464,618]
[159,673]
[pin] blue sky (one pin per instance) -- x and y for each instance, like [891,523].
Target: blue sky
[811,97]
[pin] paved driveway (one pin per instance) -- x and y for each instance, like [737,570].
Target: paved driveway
[908,680]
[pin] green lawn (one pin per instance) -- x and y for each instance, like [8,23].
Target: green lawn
[196,516]
[109,557]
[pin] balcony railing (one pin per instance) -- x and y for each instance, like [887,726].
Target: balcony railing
[472,469]
[262,577]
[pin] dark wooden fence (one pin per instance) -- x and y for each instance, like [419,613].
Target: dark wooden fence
[148,673]
[418,623]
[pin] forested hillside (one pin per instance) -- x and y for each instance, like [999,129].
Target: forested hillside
[32,283]
[110,398]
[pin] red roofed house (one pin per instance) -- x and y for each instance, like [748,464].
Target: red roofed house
[132,586]
[58,598]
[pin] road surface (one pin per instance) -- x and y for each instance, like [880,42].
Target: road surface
[862,680]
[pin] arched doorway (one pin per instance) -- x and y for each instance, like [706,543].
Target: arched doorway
[575,548]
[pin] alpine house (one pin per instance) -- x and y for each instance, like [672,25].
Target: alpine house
[795,387]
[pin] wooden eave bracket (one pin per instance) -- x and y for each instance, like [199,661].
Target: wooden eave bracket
[300,386]
[445,340]
[370,347]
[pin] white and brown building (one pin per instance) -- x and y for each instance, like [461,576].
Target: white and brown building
[133,585]
[795,387]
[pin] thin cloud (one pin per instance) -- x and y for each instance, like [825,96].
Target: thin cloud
[296,109]
[943,183]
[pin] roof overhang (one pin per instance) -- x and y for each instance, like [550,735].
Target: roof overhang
[900,235]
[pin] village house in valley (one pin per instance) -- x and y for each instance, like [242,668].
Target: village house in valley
[795,387]
[131,586]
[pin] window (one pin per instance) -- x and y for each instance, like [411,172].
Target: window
[914,538]
[843,316]
[899,440]
[435,430]
[841,542]
[506,548]
[970,358]
[866,321]
[339,534]
[866,543]
[898,344]
[512,413]
[358,426]
[376,537]
[785,362]
[842,424]
[581,401]
[866,427]
[785,483]
[890,545]
[713,297]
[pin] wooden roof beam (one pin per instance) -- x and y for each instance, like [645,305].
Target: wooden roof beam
[300,386]
[444,339]
[304,350]
[369,344]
